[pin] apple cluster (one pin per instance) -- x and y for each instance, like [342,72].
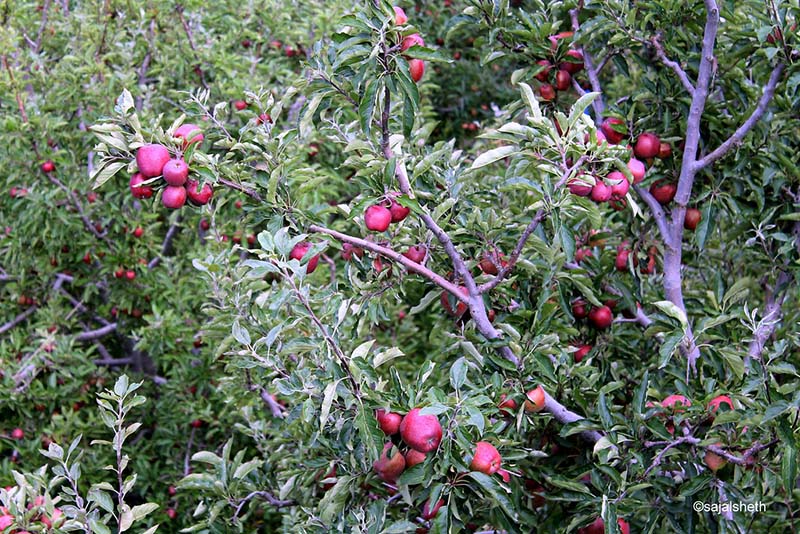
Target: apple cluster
[416,67]
[155,160]
[558,79]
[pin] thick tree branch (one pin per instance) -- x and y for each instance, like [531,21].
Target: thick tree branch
[397,257]
[773,313]
[744,129]
[166,246]
[91,335]
[657,211]
[16,320]
[565,416]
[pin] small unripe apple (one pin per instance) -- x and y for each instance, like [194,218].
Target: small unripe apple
[185,130]
[547,92]
[578,186]
[638,170]
[601,318]
[486,458]
[151,159]
[535,400]
[429,512]
[48,166]
[601,192]
[421,432]
[614,130]
[574,63]
[389,468]
[416,67]
[664,150]
[663,192]
[543,75]
[619,184]
[17,434]
[399,212]
[175,172]
[400,16]
[416,253]
[299,251]
[563,79]
[173,197]
[647,146]
[388,421]
[692,218]
[138,190]
[412,40]
[377,218]
[414,457]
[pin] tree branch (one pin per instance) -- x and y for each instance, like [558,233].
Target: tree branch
[658,213]
[773,314]
[16,320]
[166,246]
[91,335]
[267,496]
[662,55]
[397,257]
[737,137]
[598,105]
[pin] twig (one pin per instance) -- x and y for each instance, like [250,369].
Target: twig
[746,455]
[772,315]
[77,204]
[20,103]
[16,320]
[91,335]
[186,468]
[742,131]
[662,55]
[37,45]
[267,496]
[658,213]
[252,193]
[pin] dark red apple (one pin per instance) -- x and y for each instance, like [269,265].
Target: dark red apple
[573,63]
[601,318]
[663,191]
[547,92]
[138,190]
[240,105]
[399,212]
[461,307]
[579,186]
[429,512]
[348,250]
[377,218]
[421,432]
[151,159]
[614,130]
[388,421]
[48,166]
[647,146]
[692,218]
[580,354]
[601,192]
[563,79]
[298,253]
[199,197]
[414,457]
[175,171]
[543,75]
[664,150]
[580,309]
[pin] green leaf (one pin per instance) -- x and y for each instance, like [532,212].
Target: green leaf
[667,348]
[327,401]
[386,356]
[495,491]
[673,311]
[240,333]
[496,154]
[142,510]
[207,457]
[789,467]
[366,107]
[106,172]
[334,500]
[458,373]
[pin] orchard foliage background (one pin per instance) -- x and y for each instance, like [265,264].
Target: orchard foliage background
[257,377]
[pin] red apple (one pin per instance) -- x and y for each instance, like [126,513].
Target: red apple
[543,75]
[416,253]
[185,130]
[348,250]
[48,166]
[580,309]
[240,105]
[461,307]
[507,404]
[601,192]
[400,16]
[614,130]
[416,67]
[17,433]
[581,353]
[490,262]
[429,513]
[714,461]
[399,212]
[486,458]
[692,218]
[171,513]
[579,186]
[377,218]
[414,457]
[619,184]
[138,190]
[621,261]
[664,150]
[547,92]
[91,197]
[676,403]
[173,197]
[563,79]
[412,40]
[574,63]
[298,253]
[638,170]
[647,146]
[389,467]
[601,318]
[716,402]
[663,191]
[199,197]
[505,475]
[175,172]
[130,275]
[421,432]
[388,421]
[535,400]
[151,159]
[6,520]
